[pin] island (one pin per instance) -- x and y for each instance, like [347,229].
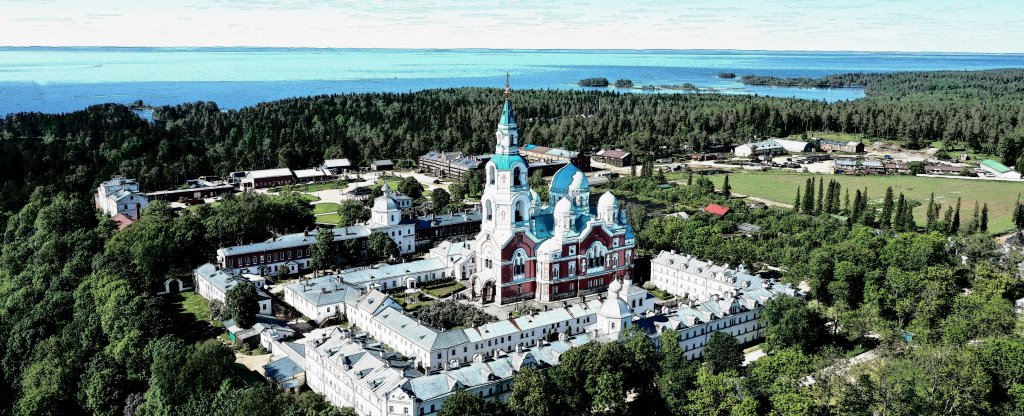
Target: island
[594,82]
[727,75]
[624,83]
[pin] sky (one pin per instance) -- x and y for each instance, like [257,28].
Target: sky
[835,25]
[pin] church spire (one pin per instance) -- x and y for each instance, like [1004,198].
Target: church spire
[508,117]
[508,133]
[508,88]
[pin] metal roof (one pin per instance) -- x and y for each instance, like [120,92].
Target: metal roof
[324,290]
[369,275]
[269,173]
[508,116]
[309,173]
[295,240]
[337,163]
[282,369]
[996,166]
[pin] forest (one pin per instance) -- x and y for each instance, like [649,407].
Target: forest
[84,334]
[981,111]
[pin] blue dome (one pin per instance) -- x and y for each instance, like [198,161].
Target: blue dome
[563,179]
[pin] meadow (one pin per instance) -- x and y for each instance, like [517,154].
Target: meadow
[782,187]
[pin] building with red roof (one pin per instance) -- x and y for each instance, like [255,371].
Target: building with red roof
[716,209]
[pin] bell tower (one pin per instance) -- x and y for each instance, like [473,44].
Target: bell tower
[507,134]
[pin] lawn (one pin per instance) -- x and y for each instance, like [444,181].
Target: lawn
[326,207]
[198,307]
[333,218]
[310,198]
[1000,196]
[445,290]
[313,187]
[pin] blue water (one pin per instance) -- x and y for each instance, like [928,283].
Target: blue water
[66,79]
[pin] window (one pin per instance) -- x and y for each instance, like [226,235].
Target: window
[572,270]
[488,211]
[490,175]
[517,177]
[519,264]
[554,271]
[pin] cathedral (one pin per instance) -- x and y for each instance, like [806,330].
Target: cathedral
[529,249]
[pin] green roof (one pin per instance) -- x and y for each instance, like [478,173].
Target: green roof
[505,162]
[996,166]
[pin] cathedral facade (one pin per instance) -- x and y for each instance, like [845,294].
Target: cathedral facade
[530,249]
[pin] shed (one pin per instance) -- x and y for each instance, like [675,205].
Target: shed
[384,164]
[717,210]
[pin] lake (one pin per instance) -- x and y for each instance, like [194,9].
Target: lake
[65,79]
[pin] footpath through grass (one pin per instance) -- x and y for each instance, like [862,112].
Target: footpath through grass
[782,187]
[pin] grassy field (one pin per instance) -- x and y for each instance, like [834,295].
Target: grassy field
[198,307]
[313,187]
[1000,196]
[332,218]
[326,207]
[445,290]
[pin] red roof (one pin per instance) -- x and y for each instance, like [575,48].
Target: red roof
[716,210]
[122,221]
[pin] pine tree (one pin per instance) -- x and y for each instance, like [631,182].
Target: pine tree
[901,209]
[829,196]
[954,227]
[835,198]
[931,214]
[885,221]
[984,218]
[819,205]
[726,189]
[846,203]
[855,214]
[866,217]
[908,217]
[947,220]
[972,227]
[808,205]
[689,178]
[796,203]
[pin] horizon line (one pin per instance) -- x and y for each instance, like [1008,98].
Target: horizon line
[3,47]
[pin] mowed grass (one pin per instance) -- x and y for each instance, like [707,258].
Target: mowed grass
[445,290]
[1000,196]
[326,207]
[332,218]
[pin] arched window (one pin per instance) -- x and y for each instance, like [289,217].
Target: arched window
[490,175]
[517,177]
[521,214]
[572,269]
[488,210]
[519,264]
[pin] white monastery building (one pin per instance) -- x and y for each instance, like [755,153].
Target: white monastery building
[121,196]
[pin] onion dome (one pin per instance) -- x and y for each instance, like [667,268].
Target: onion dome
[579,183]
[563,208]
[607,201]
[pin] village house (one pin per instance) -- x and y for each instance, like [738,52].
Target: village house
[267,178]
[451,165]
[614,157]
[213,284]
